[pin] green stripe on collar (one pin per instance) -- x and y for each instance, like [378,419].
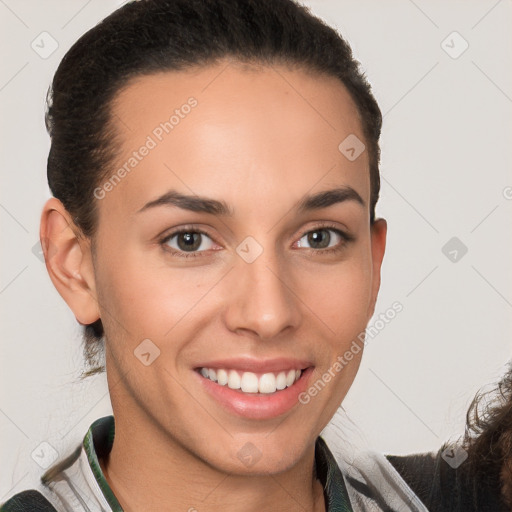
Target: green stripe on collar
[102,432]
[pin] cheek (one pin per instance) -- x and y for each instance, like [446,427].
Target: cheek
[339,296]
[147,297]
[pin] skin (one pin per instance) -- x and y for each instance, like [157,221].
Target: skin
[260,139]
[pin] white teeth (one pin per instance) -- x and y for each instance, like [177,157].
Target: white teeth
[267,383]
[233,379]
[222,377]
[290,377]
[281,381]
[249,382]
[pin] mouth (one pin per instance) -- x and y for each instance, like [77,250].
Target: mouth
[251,382]
[255,389]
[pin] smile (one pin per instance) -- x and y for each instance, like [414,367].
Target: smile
[249,382]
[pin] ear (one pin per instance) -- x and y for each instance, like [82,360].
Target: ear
[68,260]
[378,241]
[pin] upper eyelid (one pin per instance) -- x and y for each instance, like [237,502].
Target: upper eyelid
[169,235]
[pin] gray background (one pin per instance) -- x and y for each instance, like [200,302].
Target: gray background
[446,164]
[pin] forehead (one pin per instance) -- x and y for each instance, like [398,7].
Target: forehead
[217,130]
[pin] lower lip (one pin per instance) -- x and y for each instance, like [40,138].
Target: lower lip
[257,406]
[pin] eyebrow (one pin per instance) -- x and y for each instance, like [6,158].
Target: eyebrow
[200,204]
[193,203]
[328,198]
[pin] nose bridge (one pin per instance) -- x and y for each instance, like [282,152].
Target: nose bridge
[262,301]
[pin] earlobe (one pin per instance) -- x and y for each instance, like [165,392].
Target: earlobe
[68,260]
[378,240]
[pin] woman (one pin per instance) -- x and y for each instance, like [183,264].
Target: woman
[215,170]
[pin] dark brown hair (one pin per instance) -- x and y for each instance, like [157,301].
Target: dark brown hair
[488,437]
[150,36]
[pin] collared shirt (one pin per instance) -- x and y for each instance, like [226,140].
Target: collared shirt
[77,483]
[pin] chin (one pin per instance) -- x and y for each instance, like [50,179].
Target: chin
[261,456]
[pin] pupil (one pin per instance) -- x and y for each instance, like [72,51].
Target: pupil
[189,241]
[319,239]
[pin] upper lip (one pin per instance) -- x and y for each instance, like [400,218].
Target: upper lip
[247,364]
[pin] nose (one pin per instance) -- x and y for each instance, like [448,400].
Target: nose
[262,301]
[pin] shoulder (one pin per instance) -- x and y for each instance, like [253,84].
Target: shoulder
[444,484]
[66,485]
[27,501]
[372,481]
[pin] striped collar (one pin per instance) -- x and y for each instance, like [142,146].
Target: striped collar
[99,440]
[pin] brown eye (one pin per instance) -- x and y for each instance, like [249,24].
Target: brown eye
[190,241]
[321,239]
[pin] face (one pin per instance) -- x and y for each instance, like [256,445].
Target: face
[234,261]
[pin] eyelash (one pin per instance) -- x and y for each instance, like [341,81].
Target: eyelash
[195,254]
